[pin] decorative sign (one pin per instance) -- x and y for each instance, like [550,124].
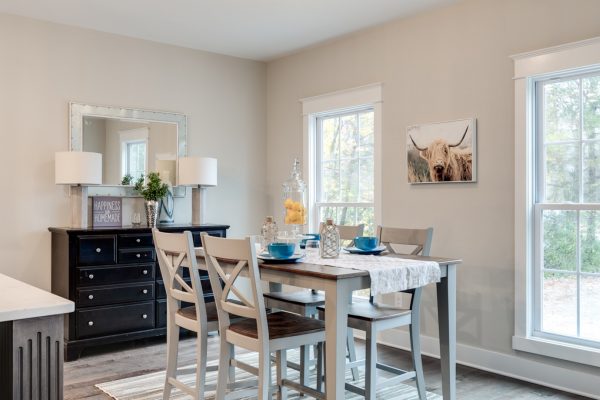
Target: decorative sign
[107,211]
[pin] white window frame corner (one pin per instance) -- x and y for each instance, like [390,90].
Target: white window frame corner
[368,95]
[528,68]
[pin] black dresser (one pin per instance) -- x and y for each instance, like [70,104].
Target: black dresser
[114,279]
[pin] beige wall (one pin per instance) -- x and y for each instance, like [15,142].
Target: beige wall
[43,66]
[444,65]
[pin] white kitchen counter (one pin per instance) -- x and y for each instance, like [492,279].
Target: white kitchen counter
[19,300]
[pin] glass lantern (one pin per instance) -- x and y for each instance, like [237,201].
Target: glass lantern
[294,200]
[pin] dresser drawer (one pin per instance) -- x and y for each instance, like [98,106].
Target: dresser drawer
[101,296]
[116,274]
[196,236]
[97,250]
[117,319]
[135,240]
[136,255]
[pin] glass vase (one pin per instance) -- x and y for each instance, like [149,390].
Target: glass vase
[268,232]
[330,240]
[294,200]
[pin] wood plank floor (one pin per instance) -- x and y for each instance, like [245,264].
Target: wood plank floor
[125,360]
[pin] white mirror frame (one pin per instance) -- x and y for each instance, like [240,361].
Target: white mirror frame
[79,110]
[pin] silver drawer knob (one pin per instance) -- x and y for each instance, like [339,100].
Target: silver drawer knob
[91,323]
[145,316]
[137,240]
[145,272]
[138,255]
[98,250]
[91,297]
[145,291]
[91,276]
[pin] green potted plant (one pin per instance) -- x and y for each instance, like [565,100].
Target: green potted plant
[152,190]
[127,179]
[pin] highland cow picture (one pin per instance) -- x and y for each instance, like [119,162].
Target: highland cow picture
[442,152]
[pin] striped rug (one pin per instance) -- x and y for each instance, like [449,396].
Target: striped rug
[150,386]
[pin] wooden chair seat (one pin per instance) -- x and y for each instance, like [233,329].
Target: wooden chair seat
[190,312]
[301,298]
[281,324]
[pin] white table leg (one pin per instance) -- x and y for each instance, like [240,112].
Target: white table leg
[336,326]
[446,300]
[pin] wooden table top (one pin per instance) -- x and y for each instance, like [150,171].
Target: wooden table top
[335,273]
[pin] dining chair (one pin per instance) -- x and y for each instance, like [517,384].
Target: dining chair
[372,317]
[305,303]
[175,252]
[257,331]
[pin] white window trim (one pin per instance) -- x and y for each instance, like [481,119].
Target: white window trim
[368,95]
[528,67]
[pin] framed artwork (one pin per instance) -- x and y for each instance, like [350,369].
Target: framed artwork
[442,152]
[107,211]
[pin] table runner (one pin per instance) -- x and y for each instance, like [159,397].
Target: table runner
[388,274]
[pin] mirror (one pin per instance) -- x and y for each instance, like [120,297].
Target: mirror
[132,142]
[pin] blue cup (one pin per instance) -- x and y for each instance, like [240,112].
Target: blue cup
[281,250]
[365,243]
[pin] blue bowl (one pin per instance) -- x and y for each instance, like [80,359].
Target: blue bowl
[281,250]
[365,243]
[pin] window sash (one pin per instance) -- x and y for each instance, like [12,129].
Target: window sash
[539,269]
[540,205]
[318,160]
[134,146]
[319,150]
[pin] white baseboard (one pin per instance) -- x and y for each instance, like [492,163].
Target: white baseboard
[580,383]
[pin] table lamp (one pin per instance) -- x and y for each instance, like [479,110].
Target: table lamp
[199,173]
[78,169]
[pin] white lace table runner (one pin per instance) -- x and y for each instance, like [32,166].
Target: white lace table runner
[388,274]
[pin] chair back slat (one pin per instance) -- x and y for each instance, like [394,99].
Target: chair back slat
[419,238]
[183,296]
[348,232]
[175,253]
[230,301]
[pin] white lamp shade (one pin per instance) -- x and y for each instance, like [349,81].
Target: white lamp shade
[197,171]
[77,168]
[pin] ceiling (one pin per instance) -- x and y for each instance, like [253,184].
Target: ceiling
[254,29]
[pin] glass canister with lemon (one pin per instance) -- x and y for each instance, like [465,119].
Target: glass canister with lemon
[294,200]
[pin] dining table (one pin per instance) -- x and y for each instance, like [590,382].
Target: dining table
[337,283]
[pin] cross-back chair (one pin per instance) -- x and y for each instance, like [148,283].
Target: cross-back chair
[175,252]
[227,260]
[305,303]
[372,318]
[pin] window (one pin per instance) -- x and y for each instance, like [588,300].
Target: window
[134,151]
[557,202]
[136,159]
[345,168]
[567,209]
[342,156]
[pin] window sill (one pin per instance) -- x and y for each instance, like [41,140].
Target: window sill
[556,349]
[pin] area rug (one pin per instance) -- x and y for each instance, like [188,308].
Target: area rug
[150,386]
